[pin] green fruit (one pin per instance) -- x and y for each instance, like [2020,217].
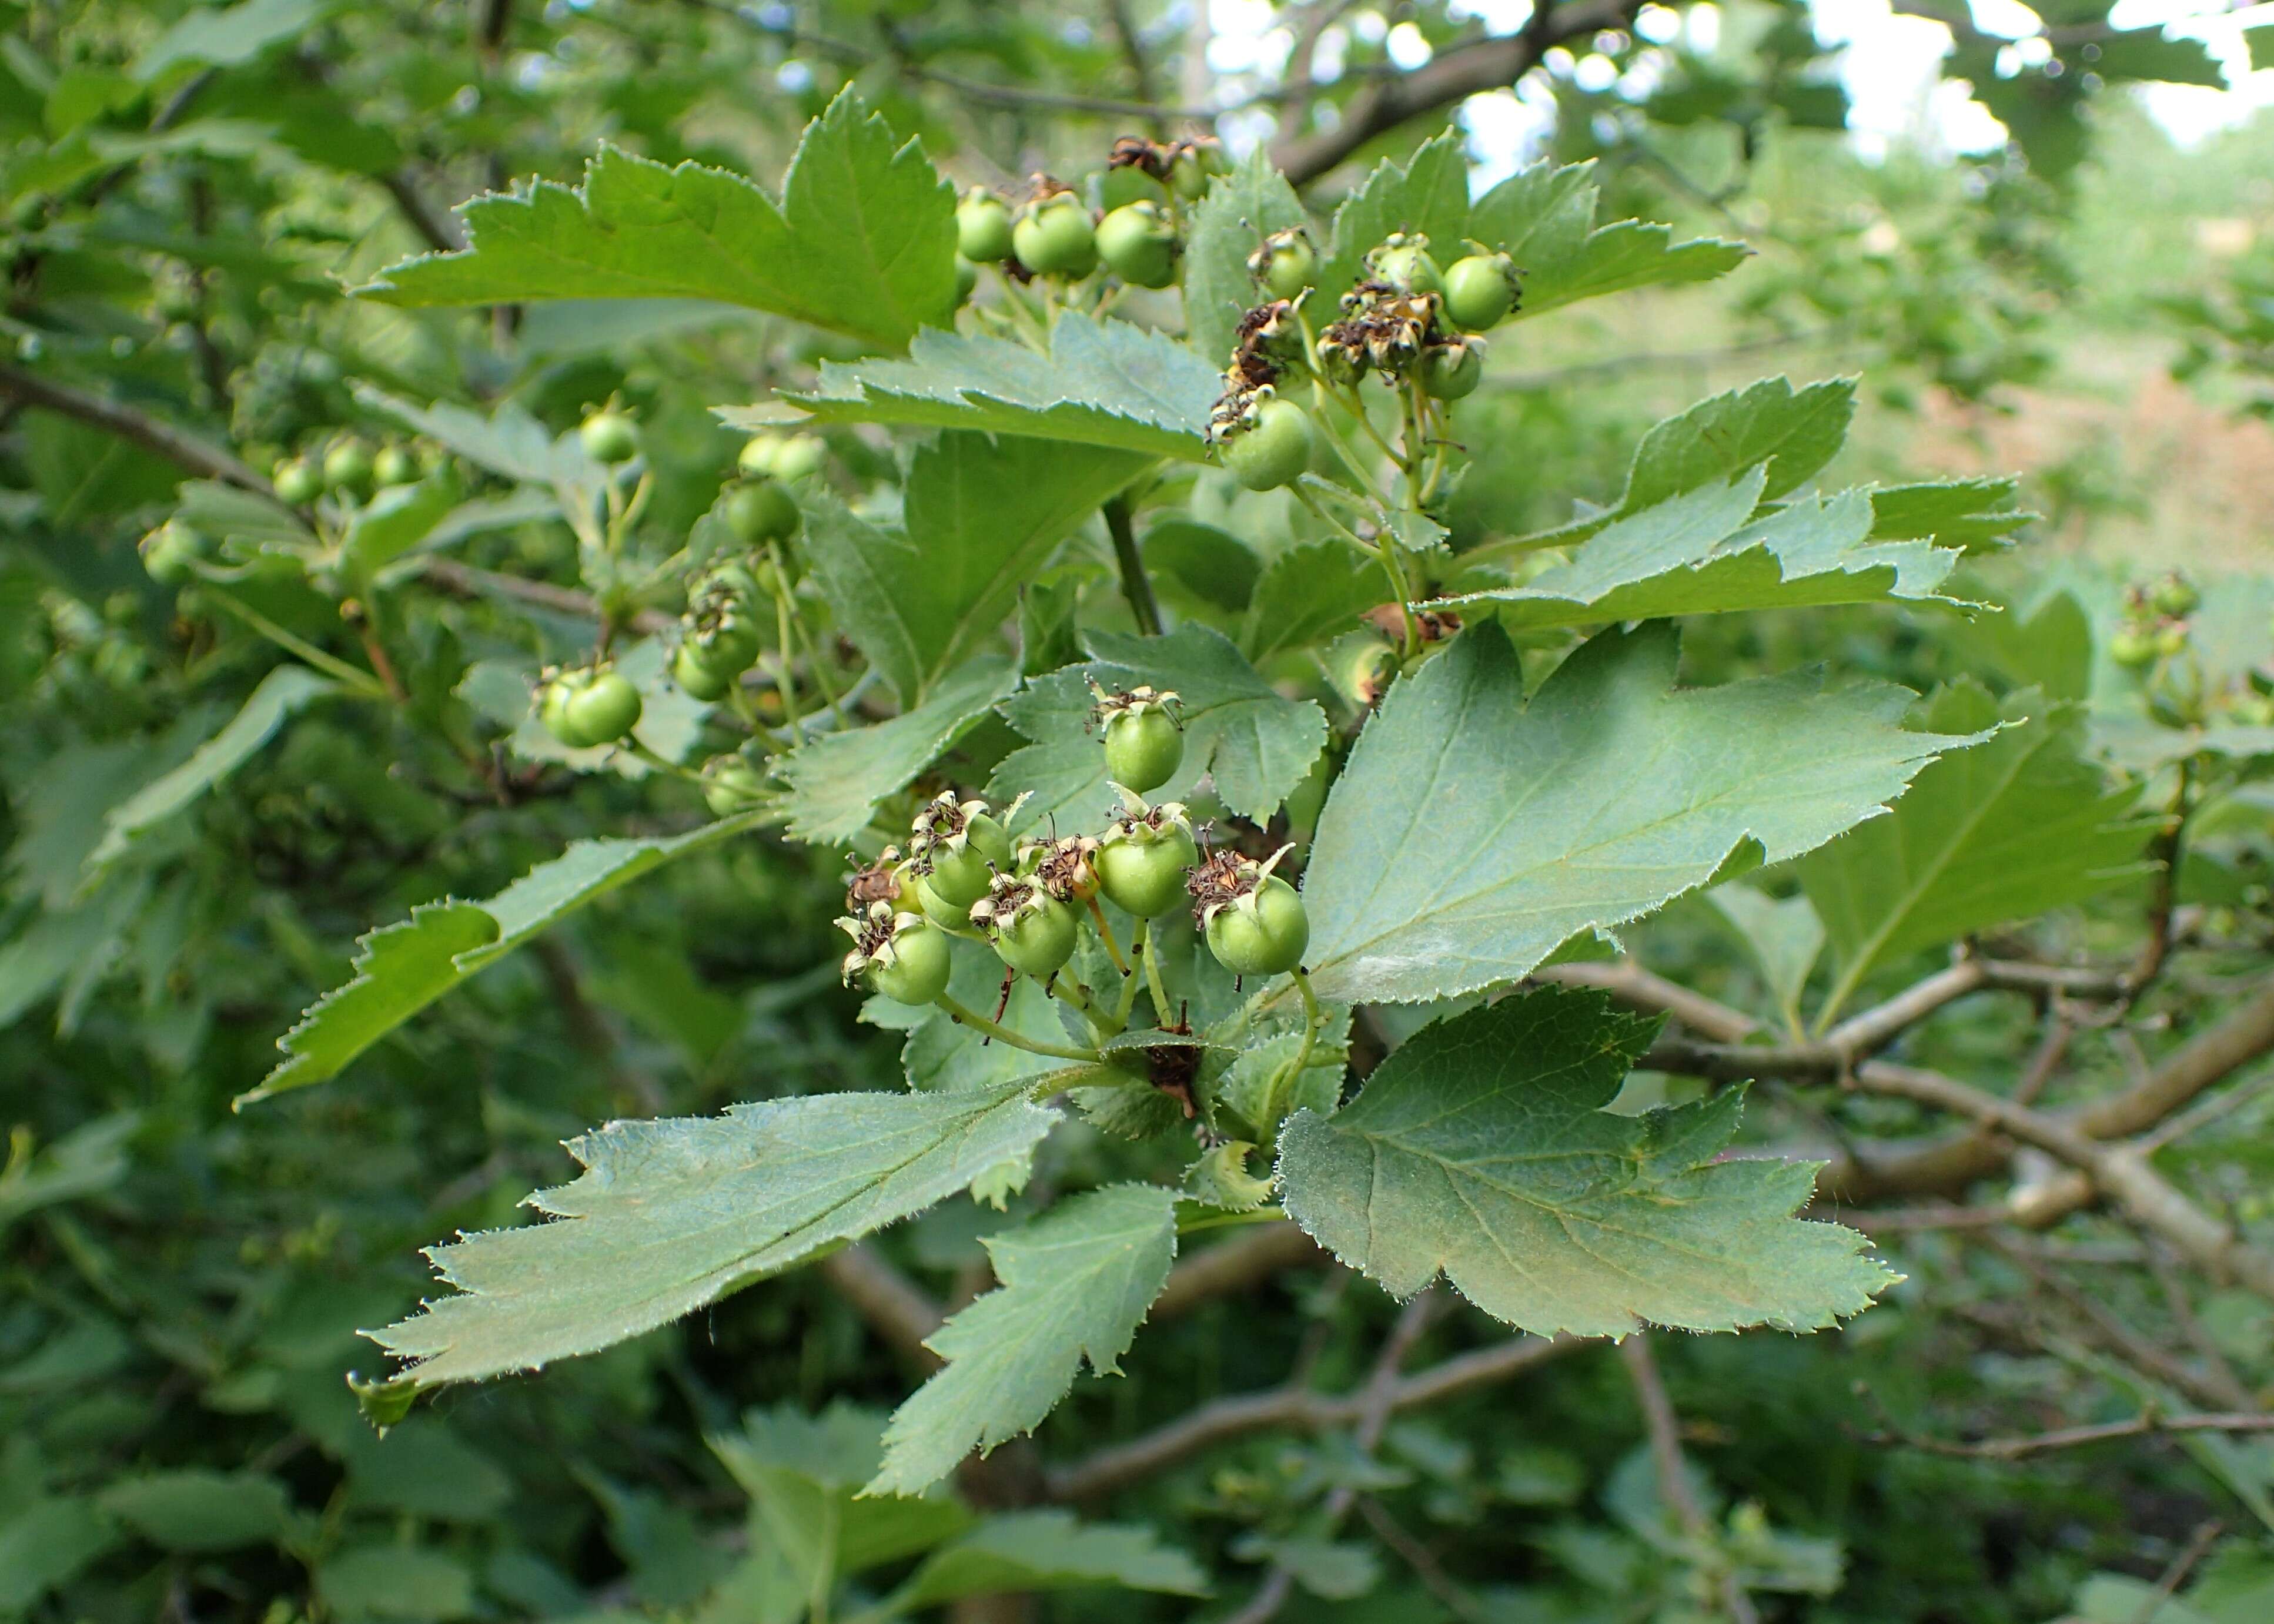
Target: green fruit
[1037,938]
[959,878]
[297,482]
[800,456]
[948,915]
[697,677]
[967,280]
[914,968]
[603,710]
[2134,650]
[1284,265]
[1273,450]
[609,437]
[730,784]
[347,466]
[759,511]
[756,461]
[1264,933]
[1479,291]
[1404,263]
[1143,749]
[1450,371]
[1139,245]
[1143,877]
[170,553]
[393,465]
[982,226]
[2175,596]
[553,708]
[1054,238]
[2172,639]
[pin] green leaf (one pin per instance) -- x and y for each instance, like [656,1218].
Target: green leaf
[1311,593]
[509,442]
[282,694]
[1074,1284]
[394,1581]
[1544,218]
[2150,54]
[401,968]
[1428,194]
[1240,210]
[862,241]
[1103,383]
[1470,833]
[1482,1148]
[1214,566]
[2261,40]
[1783,938]
[89,1158]
[669,1215]
[982,515]
[2012,828]
[194,1510]
[230,36]
[394,520]
[1256,744]
[1974,516]
[229,513]
[1047,1550]
[48,1543]
[1696,553]
[837,780]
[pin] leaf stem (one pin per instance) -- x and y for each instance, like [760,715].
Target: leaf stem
[1219,1220]
[361,680]
[1105,935]
[806,640]
[1314,1017]
[1139,940]
[1015,1039]
[1136,585]
[1153,982]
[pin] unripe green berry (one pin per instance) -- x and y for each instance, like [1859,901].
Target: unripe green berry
[603,710]
[1142,871]
[1404,263]
[1143,749]
[1271,451]
[917,969]
[730,784]
[697,677]
[2175,596]
[1037,939]
[1479,291]
[2133,650]
[1264,933]
[297,483]
[1139,245]
[799,456]
[1285,264]
[982,226]
[347,466]
[609,437]
[393,465]
[759,511]
[1449,372]
[1054,238]
[967,280]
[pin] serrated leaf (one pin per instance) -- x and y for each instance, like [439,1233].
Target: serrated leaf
[1256,744]
[230,36]
[1973,515]
[508,442]
[1481,1148]
[228,514]
[1102,383]
[282,694]
[980,516]
[1239,211]
[1311,593]
[394,520]
[1074,1284]
[1543,217]
[1696,553]
[401,968]
[837,780]
[1047,1550]
[47,1541]
[1471,833]
[2010,829]
[1428,194]
[862,241]
[669,1215]
[197,1510]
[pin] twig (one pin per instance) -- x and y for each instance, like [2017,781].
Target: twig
[897,1309]
[1236,1264]
[2176,1574]
[1136,585]
[176,446]
[2025,1444]
[465,581]
[438,229]
[1630,983]
[1426,1566]
[1674,1484]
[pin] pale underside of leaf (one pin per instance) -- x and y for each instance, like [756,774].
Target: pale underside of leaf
[836,781]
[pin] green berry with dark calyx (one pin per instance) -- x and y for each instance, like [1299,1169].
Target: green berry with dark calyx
[393,465]
[1143,861]
[1144,736]
[1054,238]
[890,878]
[1254,920]
[347,467]
[606,709]
[1195,162]
[171,553]
[697,677]
[1271,447]
[1285,263]
[608,437]
[297,483]
[1065,868]
[982,226]
[2175,596]
[1030,930]
[2133,648]
[762,510]
[1480,290]
[1450,371]
[799,456]
[900,955]
[959,847]
[1402,263]
[730,784]
[1139,244]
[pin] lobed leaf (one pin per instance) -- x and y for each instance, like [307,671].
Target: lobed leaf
[1311,593]
[1102,383]
[1544,218]
[1428,194]
[401,968]
[1032,1550]
[862,241]
[1256,744]
[1481,1149]
[1473,832]
[1074,1284]
[837,780]
[669,1215]
[1239,211]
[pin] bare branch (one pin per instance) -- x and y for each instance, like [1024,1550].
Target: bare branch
[897,1309]
[437,229]
[1235,1265]
[1673,1472]
[465,581]
[1630,983]
[176,446]
[2027,1444]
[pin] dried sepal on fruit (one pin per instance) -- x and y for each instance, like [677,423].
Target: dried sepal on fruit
[1030,930]
[1383,330]
[1283,263]
[1066,868]
[957,846]
[1144,733]
[889,878]
[1144,856]
[1254,920]
[900,955]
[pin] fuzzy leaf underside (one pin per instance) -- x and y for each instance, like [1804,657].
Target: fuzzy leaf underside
[1473,832]
[1102,383]
[1257,743]
[862,241]
[401,968]
[670,1215]
[1074,1284]
[1480,1149]
[1700,552]
[837,780]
